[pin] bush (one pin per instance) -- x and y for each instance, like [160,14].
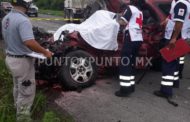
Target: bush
[40,109]
[50,117]
[7,111]
[50,4]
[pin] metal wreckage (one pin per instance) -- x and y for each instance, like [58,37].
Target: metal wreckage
[77,62]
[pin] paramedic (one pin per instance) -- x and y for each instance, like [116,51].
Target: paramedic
[169,27]
[176,28]
[133,20]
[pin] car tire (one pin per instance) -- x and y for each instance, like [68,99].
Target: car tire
[78,70]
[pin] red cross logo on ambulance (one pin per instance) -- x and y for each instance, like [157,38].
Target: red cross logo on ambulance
[181,12]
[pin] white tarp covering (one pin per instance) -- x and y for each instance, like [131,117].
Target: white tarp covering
[100,30]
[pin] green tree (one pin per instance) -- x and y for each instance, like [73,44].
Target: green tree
[50,4]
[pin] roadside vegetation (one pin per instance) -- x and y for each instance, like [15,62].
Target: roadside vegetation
[41,110]
[50,4]
[51,7]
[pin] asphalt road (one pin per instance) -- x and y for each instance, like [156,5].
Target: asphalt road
[49,25]
[98,103]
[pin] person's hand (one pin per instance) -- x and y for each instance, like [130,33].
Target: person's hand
[171,44]
[48,54]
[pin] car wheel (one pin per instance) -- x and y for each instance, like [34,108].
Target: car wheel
[78,70]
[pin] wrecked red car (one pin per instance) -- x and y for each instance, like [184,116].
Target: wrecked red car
[79,71]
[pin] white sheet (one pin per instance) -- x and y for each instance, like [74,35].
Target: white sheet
[100,30]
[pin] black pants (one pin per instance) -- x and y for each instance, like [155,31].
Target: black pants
[127,65]
[170,75]
[181,67]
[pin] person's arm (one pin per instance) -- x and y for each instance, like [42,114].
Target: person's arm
[126,17]
[35,46]
[177,29]
[27,36]
[180,11]
[122,22]
[176,33]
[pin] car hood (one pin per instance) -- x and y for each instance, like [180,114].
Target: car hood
[100,30]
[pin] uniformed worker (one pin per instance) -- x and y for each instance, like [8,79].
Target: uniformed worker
[169,27]
[177,28]
[169,23]
[133,20]
[19,39]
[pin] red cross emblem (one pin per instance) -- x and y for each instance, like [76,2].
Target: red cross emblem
[139,21]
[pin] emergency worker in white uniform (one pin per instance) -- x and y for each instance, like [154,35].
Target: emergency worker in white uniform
[169,27]
[133,20]
[177,27]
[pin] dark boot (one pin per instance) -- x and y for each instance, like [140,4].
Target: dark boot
[123,92]
[133,88]
[176,84]
[180,75]
[161,94]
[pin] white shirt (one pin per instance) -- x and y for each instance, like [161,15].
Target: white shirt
[170,24]
[179,14]
[134,17]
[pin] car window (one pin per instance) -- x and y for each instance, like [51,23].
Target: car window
[165,8]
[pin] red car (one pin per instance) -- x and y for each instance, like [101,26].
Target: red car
[80,71]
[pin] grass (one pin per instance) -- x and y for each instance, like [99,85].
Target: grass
[41,111]
[52,12]
[6,99]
